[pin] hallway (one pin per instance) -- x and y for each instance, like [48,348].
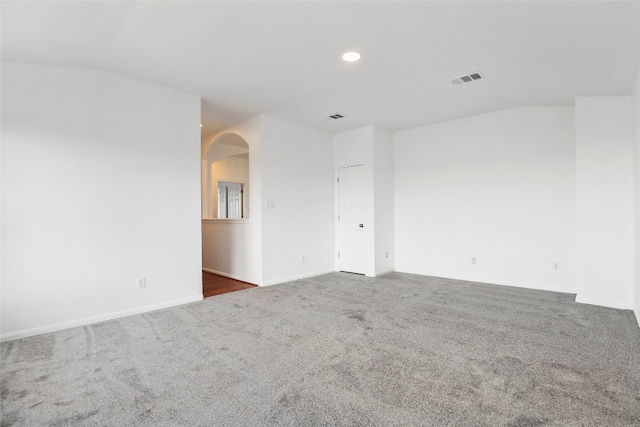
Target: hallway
[213,284]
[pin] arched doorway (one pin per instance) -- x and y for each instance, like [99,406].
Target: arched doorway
[225,178]
[225,213]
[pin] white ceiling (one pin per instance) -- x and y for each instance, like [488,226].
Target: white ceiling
[284,58]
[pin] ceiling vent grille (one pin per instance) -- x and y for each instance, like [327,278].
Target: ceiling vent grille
[336,116]
[467,79]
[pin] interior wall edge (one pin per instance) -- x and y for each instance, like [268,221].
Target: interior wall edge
[513,284]
[383,272]
[604,302]
[296,277]
[25,333]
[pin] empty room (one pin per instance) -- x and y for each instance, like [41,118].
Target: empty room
[431,210]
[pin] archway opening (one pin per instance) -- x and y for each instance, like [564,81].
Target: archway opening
[225,178]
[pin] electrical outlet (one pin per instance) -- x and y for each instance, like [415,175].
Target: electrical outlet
[142,282]
[474,260]
[386,254]
[555,266]
[302,258]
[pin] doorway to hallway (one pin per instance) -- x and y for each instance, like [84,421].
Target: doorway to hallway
[214,284]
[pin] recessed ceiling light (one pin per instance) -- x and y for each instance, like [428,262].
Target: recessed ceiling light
[351,56]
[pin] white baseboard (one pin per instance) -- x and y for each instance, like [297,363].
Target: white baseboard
[537,287]
[230,276]
[383,272]
[637,313]
[95,319]
[603,302]
[297,277]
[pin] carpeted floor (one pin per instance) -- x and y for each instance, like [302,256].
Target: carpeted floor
[337,349]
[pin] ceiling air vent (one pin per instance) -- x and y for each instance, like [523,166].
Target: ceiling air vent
[336,116]
[467,79]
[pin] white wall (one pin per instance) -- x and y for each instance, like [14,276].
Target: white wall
[227,247]
[233,248]
[100,186]
[635,100]
[604,185]
[297,176]
[383,200]
[498,186]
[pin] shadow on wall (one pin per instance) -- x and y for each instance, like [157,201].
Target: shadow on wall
[225,178]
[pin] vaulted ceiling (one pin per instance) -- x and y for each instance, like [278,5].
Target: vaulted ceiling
[284,58]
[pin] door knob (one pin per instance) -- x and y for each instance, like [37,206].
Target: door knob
[361,225]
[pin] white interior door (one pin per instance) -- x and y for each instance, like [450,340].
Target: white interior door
[222,201]
[234,200]
[230,196]
[351,226]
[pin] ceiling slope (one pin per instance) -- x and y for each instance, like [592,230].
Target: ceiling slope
[284,58]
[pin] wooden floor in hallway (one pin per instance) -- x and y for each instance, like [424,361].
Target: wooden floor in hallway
[213,284]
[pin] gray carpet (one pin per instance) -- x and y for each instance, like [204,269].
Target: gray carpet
[339,350]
